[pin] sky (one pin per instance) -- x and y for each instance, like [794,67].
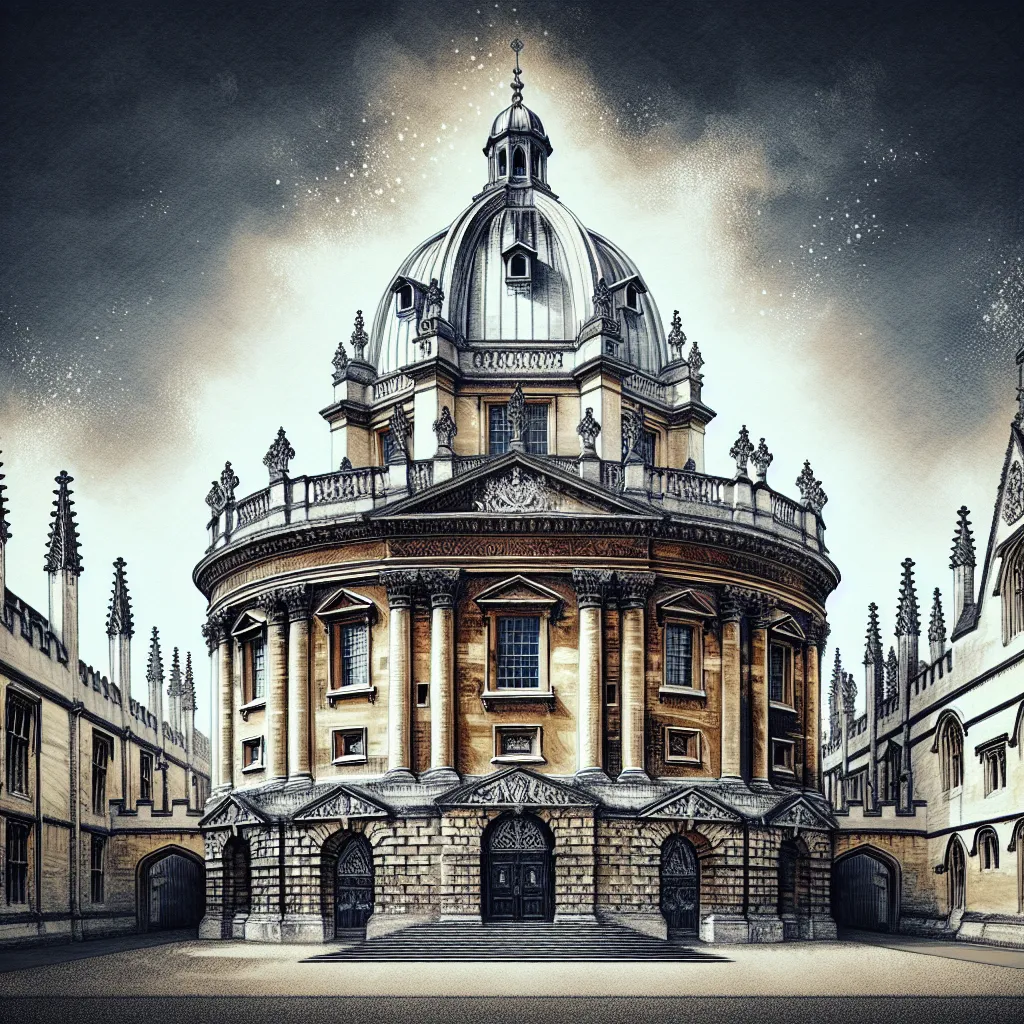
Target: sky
[197,197]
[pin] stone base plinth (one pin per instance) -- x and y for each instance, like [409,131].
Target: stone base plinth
[300,928]
[262,928]
[646,924]
[385,924]
[765,928]
[727,928]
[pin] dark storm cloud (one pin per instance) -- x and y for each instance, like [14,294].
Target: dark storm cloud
[140,140]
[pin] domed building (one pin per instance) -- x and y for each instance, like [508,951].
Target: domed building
[517,656]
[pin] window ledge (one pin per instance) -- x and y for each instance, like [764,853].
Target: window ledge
[369,692]
[694,762]
[254,705]
[350,759]
[777,705]
[496,698]
[780,770]
[682,691]
[253,768]
[20,796]
[518,759]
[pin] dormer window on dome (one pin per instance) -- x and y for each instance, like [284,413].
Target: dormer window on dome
[519,259]
[408,296]
[405,298]
[627,293]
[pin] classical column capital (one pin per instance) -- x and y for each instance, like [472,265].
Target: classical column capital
[272,604]
[592,586]
[217,629]
[400,585]
[737,602]
[818,632]
[296,600]
[634,588]
[442,585]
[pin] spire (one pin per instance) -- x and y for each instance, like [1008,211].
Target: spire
[908,621]
[119,615]
[892,673]
[155,668]
[174,686]
[963,541]
[835,690]
[5,528]
[517,82]
[188,690]
[873,639]
[937,625]
[62,546]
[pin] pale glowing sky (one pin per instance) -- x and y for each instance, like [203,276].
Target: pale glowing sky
[170,302]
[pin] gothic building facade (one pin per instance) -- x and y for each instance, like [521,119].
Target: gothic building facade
[928,784]
[100,794]
[517,656]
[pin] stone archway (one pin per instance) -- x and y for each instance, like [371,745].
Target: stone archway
[237,886]
[865,890]
[171,889]
[517,870]
[353,885]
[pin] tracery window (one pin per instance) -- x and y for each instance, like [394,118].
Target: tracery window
[988,850]
[101,749]
[18,722]
[951,753]
[993,762]
[535,430]
[17,862]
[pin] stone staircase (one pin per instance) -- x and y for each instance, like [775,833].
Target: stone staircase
[524,942]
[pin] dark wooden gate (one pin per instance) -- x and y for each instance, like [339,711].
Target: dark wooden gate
[176,893]
[862,893]
[353,889]
[518,873]
[680,886]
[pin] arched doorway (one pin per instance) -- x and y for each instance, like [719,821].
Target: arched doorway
[237,886]
[353,885]
[956,874]
[680,886]
[794,891]
[518,870]
[865,892]
[172,890]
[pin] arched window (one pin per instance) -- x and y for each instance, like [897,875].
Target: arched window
[951,753]
[956,873]
[1012,590]
[535,162]
[502,162]
[518,267]
[988,850]
[519,162]
[405,298]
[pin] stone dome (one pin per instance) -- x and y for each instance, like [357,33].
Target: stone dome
[517,118]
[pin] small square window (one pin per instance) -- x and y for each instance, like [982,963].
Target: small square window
[517,743]
[682,745]
[349,745]
[518,652]
[252,754]
[782,756]
[422,695]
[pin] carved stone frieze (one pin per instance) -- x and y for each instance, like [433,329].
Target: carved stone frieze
[516,359]
[230,812]
[517,788]
[516,492]
[692,806]
[342,803]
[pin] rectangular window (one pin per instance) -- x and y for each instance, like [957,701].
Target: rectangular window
[350,642]
[387,447]
[252,753]
[422,695]
[17,862]
[254,663]
[611,694]
[349,745]
[780,674]
[517,743]
[100,759]
[535,430]
[782,755]
[678,655]
[18,733]
[146,776]
[518,652]
[682,745]
[994,765]
[96,868]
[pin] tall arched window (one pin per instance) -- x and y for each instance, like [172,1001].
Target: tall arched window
[988,850]
[535,162]
[502,162]
[956,874]
[519,162]
[951,753]
[405,298]
[1012,590]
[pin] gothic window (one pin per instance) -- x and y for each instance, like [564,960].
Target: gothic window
[519,162]
[101,751]
[648,446]
[679,654]
[254,668]
[385,446]
[782,756]
[951,753]
[535,162]
[682,746]
[252,754]
[348,746]
[502,162]
[893,769]
[18,722]
[145,776]
[17,862]
[518,652]
[956,872]
[780,674]
[988,850]
[535,430]
[993,763]
[517,744]
[350,654]
[1012,590]
[96,868]
[405,298]
[518,266]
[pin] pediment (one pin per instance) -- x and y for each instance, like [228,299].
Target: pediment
[233,811]
[345,602]
[517,484]
[787,626]
[517,590]
[799,813]
[689,604]
[691,804]
[516,788]
[249,621]
[341,803]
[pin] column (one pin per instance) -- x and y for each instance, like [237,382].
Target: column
[633,590]
[225,680]
[729,610]
[210,636]
[591,587]
[277,686]
[296,600]
[400,584]
[759,701]
[812,701]
[442,585]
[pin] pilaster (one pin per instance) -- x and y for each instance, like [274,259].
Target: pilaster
[400,585]
[296,601]
[277,685]
[591,589]
[730,612]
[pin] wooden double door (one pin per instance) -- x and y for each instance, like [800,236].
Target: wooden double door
[518,872]
[353,886]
